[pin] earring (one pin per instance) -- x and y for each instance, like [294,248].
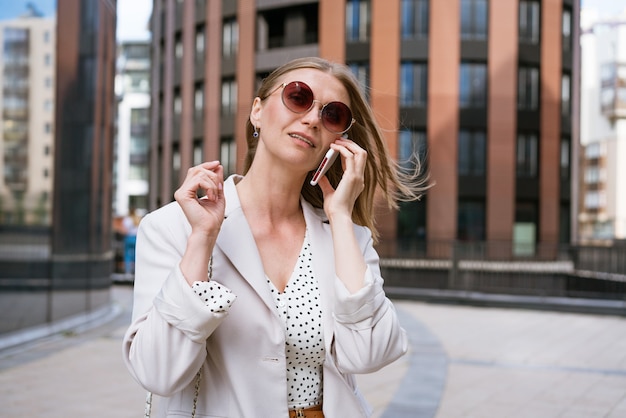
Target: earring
[256,133]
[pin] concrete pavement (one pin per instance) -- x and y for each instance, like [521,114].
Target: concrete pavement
[463,362]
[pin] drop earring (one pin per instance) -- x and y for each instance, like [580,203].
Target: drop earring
[255,134]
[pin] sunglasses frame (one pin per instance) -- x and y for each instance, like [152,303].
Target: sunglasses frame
[321,113]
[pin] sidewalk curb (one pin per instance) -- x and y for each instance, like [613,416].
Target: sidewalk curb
[553,303]
[77,323]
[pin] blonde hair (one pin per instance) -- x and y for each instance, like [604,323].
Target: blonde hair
[381,171]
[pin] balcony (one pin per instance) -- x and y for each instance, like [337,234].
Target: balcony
[613,91]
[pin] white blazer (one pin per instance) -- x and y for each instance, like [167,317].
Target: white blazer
[242,352]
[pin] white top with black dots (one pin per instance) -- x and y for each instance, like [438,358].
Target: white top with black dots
[299,307]
[216,297]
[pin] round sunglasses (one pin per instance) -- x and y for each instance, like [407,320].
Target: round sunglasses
[297,96]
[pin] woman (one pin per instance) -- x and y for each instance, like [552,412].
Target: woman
[268,285]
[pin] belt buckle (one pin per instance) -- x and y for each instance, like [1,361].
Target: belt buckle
[300,413]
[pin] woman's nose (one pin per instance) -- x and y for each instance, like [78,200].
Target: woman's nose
[313,115]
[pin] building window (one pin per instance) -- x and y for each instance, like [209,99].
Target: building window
[613,89]
[414,16]
[595,199]
[197,153]
[199,98]
[565,158]
[200,43]
[358,20]
[567,29]
[592,175]
[178,104]
[176,166]
[283,27]
[525,229]
[47,60]
[230,38]
[528,88]
[413,84]
[361,71]
[529,23]
[594,150]
[228,155]
[178,47]
[566,103]
[473,85]
[471,220]
[471,155]
[138,171]
[229,97]
[412,149]
[527,155]
[474,19]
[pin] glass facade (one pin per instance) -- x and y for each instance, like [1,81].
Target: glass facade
[414,15]
[358,20]
[528,88]
[474,19]
[473,89]
[15,122]
[413,84]
[472,153]
[529,21]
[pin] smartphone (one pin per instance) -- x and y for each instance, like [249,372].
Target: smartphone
[327,161]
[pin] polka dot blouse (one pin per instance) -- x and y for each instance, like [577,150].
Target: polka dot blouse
[216,297]
[299,307]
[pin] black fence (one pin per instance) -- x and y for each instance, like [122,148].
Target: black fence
[502,268]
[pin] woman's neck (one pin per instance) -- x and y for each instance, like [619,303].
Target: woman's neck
[275,196]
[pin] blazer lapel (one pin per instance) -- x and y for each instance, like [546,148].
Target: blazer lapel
[237,243]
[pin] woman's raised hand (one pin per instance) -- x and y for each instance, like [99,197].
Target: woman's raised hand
[341,200]
[205,214]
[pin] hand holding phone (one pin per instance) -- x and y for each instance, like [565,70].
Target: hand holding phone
[327,161]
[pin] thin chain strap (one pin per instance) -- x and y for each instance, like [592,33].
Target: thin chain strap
[148,409]
[195,395]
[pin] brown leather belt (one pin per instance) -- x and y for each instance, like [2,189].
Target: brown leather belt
[312,412]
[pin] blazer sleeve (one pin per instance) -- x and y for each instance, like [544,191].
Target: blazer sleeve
[367,333]
[165,345]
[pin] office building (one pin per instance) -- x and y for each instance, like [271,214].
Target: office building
[485,91]
[27,71]
[130,174]
[61,272]
[602,202]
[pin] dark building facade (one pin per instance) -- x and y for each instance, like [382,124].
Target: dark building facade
[81,232]
[484,91]
[63,271]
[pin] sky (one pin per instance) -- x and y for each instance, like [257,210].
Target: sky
[11,9]
[132,20]
[605,7]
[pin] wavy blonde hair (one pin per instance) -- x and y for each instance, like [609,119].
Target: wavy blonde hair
[381,171]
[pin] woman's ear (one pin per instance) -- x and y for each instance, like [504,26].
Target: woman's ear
[255,113]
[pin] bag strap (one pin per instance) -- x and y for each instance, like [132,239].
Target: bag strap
[148,409]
